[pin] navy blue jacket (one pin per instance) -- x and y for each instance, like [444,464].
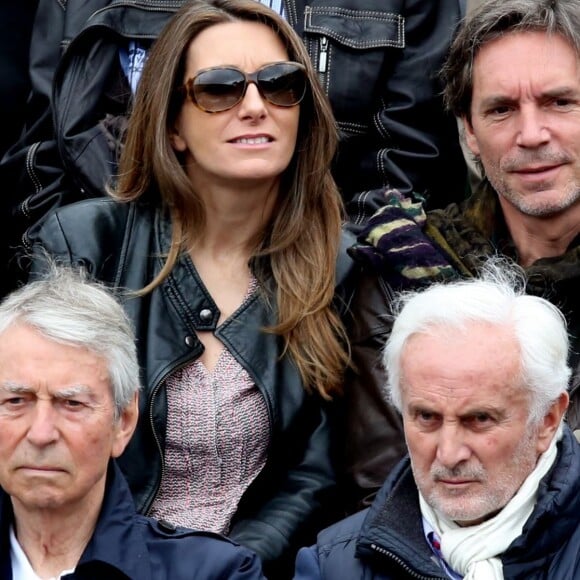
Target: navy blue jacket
[128,546]
[386,541]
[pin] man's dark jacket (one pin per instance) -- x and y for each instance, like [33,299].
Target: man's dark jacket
[378,62]
[124,246]
[386,541]
[75,114]
[127,546]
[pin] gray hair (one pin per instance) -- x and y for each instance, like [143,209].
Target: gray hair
[497,297]
[493,19]
[65,307]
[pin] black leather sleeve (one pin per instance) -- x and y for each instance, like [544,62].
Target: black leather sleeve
[374,439]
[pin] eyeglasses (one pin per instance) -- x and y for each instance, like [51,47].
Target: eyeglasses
[220,88]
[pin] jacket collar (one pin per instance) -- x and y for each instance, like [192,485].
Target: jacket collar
[555,518]
[393,526]
[116,544]
[6,517]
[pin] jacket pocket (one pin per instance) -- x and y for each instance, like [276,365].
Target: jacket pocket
[349,49]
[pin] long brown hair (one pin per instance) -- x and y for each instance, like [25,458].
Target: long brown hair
[299,246]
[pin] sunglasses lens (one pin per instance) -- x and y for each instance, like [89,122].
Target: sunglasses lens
[218,89]
[283,84]
[221,88]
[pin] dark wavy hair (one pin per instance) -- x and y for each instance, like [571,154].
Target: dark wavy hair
[496,18]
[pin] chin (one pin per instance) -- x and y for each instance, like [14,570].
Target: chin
[544,204]
[468,511]
[40,501]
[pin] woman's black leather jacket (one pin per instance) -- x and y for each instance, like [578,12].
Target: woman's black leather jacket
[378,61]
[123,245]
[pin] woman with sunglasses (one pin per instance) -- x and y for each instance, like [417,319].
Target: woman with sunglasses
[225,239]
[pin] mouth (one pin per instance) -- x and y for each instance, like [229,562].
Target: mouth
[42,469]
[537,172]
[537,169]
[252,140]
[537,176]
[456,482]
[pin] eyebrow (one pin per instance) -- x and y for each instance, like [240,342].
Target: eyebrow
[557,92]
[561,92]
[74,391]
[13,387]
[420,408]
[493,411]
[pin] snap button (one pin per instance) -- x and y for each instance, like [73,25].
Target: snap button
[189,340]
[166,527]
[205,315]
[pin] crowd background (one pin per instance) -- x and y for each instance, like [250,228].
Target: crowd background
[77,119]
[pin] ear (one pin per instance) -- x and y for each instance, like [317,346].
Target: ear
[551,421]
[125,426]
[470,139]
[177,141]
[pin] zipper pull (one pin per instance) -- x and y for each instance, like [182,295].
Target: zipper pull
[323,54]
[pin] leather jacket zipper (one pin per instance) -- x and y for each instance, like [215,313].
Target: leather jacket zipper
[323,55]
[157,442]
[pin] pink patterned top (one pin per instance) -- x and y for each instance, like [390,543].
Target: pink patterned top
[217,438]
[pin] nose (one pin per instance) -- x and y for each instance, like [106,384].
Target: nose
[532,130]
[452,448]
[253,105]
[43,429]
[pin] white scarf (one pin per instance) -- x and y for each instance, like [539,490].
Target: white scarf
[472,551]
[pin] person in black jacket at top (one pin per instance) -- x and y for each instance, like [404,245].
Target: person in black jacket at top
[226,232]
[491,487]
[16,20]
[69,382]
[379,62]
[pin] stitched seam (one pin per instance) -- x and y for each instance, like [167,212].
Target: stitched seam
[380,127]
[381,165]
[371,14]
[379,42]
[359,219]
[30,155]
[358,15]
[290,7]
[353,127]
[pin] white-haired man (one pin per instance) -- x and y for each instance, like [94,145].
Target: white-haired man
[68,405]
[491,486]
